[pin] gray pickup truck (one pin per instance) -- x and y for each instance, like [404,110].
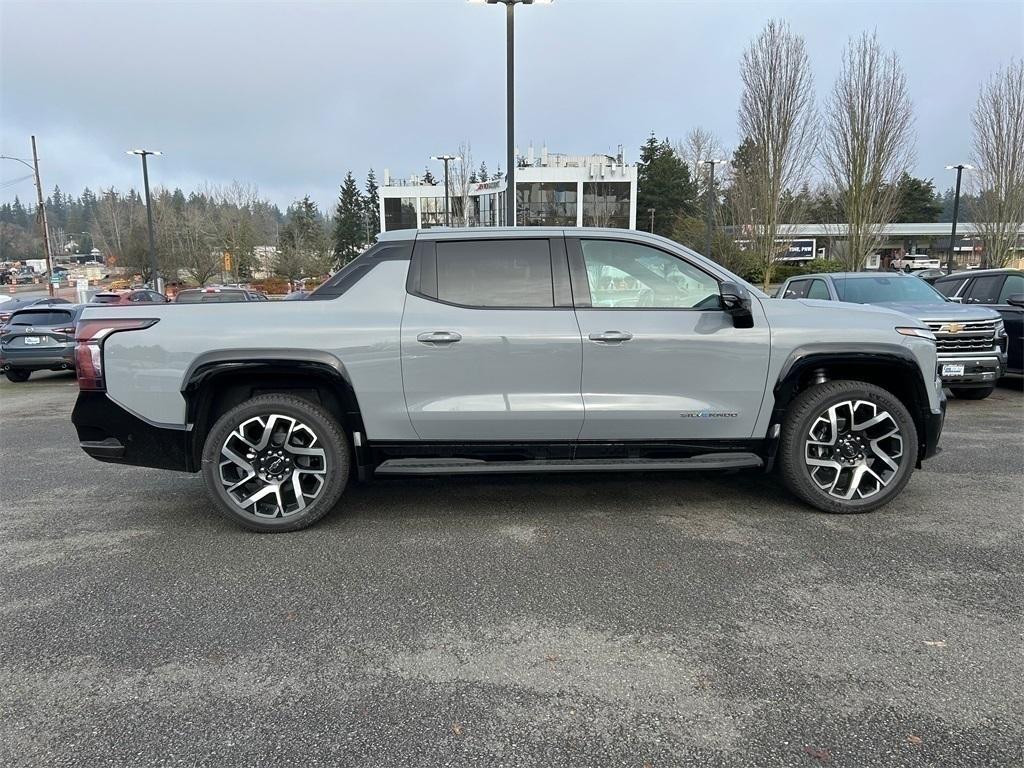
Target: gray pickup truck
[971,340]
[504,351]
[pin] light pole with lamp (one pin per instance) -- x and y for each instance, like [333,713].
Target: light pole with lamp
[711,204]
[510,155]
[956,211]
[445,159]
[158,282]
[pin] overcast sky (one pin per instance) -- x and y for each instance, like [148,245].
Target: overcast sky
[290,95]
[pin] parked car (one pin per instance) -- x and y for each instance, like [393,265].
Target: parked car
[297,295]
[504,351]
[39,338]
[131,296]
[929,275]
[214,296]
[914,262]
[257,295]
[971,341]
[998,289]
[11,304]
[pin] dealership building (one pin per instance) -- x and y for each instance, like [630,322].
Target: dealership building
[551,190]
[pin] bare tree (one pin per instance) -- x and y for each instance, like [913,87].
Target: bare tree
[696,150]
[778,118]
[868,142]
[998,120]
[459,174]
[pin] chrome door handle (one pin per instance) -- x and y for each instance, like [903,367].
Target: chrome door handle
[439,337]
[611,337]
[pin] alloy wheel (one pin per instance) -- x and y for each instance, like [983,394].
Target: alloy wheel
[273,465]
[853,449]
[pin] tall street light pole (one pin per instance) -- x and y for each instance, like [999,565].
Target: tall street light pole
[158,283]
[956,211]
[510,154]
[711,205]
[446,159]
[34,167]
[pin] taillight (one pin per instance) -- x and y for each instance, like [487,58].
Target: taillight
[89,347]
[68,331]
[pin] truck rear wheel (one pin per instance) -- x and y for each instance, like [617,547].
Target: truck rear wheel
[275,463]
[847,446]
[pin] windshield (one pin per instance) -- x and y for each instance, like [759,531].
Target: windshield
[882,289]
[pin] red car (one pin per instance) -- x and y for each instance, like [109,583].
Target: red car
[132,296]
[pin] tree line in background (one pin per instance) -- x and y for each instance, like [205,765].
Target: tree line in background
[216,233]
[856,152]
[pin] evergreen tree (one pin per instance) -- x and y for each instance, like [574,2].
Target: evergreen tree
[916,200]
[372,202]
[664,184]
[473,178]
[428,178]
[482,173]
[349,225]
[498,175]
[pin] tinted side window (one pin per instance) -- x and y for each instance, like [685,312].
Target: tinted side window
[495,273]
[818,290]
[1014,285]
[948,287]
[797,289]
[985,290]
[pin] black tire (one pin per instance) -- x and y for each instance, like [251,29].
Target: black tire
[329,436]
[972,393]
[803,413]
[17,375]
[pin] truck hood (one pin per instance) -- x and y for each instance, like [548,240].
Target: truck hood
[949,310]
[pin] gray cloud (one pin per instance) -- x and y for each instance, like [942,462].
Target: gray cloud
[290,95]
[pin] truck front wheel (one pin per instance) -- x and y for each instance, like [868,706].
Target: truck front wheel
[275,463]
[847,446]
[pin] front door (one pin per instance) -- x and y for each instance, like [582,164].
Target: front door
[661,360]
[491,350]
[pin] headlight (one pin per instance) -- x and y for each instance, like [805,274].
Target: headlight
[1000,328]
[921,333]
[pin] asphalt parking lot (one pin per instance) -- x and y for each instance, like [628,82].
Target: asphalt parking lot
[553,621]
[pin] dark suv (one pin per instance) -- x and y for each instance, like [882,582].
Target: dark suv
[998,289]
[40,338]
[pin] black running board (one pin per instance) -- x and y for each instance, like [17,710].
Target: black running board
[706,461]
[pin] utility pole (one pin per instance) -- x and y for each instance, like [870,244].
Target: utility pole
[711,205]
[42,218]
[651,211]
[157,280]
[446,159]
[956,211]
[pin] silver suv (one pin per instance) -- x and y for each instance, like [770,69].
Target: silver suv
[971,340]
[505,351]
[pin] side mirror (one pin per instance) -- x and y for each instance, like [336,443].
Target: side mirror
[1016,300]
[736,302]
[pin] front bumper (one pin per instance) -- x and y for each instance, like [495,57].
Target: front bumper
[108,432]
[979,371]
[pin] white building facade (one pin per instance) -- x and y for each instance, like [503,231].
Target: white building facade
[551,190]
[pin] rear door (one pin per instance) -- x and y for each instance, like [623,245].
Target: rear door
[661,360]
[491,349]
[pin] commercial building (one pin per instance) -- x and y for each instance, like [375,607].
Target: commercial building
[799,243]
[551,190]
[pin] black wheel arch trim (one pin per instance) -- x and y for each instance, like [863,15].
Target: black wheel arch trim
[811,356]
[320,365]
